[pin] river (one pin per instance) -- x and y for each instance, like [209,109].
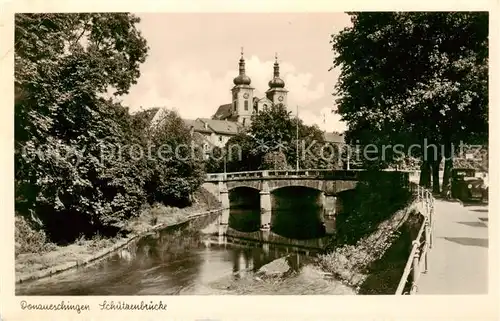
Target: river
[194,259]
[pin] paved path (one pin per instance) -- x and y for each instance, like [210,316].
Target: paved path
[458,261]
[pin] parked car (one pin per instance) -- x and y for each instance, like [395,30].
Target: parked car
[465,186]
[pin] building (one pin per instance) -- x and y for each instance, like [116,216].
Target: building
[244,103]
[235,116]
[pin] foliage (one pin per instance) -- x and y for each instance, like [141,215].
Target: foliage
[315,151]
[274,132]
[242,153]
[64,64]
[478,158]
[352,262]
[409,77]
[372,202]
[175,170]
[274,160]
[273,126]
[28,239]
[80,159]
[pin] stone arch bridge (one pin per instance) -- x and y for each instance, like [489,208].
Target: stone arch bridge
[328,184]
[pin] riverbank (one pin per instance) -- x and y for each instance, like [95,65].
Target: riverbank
[48,259]
[358,265]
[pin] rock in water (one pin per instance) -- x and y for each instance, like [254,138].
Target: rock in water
[276,268]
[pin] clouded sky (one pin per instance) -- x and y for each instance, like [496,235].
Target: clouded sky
[194,57]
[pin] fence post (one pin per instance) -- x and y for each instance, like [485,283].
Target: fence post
[416,270]
[431,224]
[427,244]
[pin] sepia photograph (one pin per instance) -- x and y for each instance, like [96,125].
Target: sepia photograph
[266,153]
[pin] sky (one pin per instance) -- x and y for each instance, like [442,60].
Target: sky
[193,59]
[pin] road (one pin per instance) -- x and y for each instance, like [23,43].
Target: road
[458,260]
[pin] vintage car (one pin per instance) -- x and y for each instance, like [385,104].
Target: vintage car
[465,186]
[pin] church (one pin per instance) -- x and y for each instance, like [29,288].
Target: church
[244,103]
[234,117]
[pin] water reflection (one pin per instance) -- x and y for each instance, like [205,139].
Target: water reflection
[244,220]
[166,263]
[304,223]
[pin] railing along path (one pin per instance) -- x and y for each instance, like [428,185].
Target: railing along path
[418,262]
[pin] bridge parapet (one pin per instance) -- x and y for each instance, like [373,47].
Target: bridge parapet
[288,174]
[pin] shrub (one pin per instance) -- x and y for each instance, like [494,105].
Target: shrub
[27,239]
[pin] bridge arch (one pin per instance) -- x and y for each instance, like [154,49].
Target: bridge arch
[254,184]
[244,197]
[297,211]
[307,183]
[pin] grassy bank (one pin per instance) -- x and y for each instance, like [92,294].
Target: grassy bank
[375,255]
[34,253]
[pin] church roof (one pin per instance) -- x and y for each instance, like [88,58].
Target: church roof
[223,112]
[222,126]
[265,99]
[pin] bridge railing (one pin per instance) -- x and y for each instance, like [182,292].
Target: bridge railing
[340,174]
[355,174]
[417,262]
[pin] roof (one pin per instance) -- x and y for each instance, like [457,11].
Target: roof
[334,137]
[201,139]
[148,114]
[222,126]
[197,126]
[143,118]
[223,112]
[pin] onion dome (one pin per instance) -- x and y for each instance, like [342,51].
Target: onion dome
[276,82]
[242,79]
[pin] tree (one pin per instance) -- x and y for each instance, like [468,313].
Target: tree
[275,160]
[175,168]
[242,153]
[407,78]
[314,150]
[273,127]
[64,64]
[272,135]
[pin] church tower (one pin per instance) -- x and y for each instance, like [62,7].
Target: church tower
[277,92]
[242,95]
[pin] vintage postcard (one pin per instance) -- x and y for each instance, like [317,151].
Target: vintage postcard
[232,160]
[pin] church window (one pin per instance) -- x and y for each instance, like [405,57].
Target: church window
[246,104]
[265,106]
[244,121]
[235,105]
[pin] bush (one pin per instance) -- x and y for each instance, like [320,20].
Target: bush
[28,240]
